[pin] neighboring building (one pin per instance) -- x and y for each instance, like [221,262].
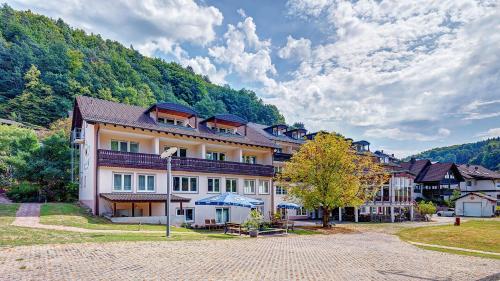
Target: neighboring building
[475,204]
[123,176]
[288,142]
[434,181]
[479,179]
[394,201]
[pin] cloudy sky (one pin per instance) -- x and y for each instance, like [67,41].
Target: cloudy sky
[404,75]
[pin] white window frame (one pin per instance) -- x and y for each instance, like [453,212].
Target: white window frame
[123,141]
[228,214]
[178,152]
[250,159]
[146,183]
[283,191]
[261,186]
[235,187]
[122,188]
[301,211]
[189,184]
[183,213]
[213,185]
[218,154]
[245,186]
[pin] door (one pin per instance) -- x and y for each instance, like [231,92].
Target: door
[221,215]
[472,209]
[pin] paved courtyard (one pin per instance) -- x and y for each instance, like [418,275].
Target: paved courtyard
[362,256]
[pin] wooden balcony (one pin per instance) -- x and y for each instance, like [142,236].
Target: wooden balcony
[281,157]
[109,158]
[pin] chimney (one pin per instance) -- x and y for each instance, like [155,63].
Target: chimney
[413,160]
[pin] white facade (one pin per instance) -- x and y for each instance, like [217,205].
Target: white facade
[489,187]
[475,205]
[126,180]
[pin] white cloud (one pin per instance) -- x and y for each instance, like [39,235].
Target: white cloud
[398,134]
[246,54]
[298,49]
[393,64]
[477,110]
[135,22]
[242,13]
[203,65]
[491,133]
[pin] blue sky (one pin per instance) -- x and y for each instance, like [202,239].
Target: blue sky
[404,75]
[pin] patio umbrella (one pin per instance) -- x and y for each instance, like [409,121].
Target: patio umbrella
[288,205]
[230,199]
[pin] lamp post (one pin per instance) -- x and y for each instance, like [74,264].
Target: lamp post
[167,154]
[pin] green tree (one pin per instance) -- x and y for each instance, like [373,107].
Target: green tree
[327,173]
[426,209]
[15,145]
[49,167]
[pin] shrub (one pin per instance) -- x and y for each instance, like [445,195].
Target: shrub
[426,208]
[24,192]
[254,220]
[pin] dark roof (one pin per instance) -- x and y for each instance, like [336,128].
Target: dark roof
[142,197]
[437,171]
[173,107]
[296,129]
[262,130]
[416,166]
[477,172]
[229,118]
[478,195]
[102,111]
[283,126]
[361,142]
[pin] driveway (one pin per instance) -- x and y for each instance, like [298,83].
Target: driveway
[361,256]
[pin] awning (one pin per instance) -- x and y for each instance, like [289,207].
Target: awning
[287,205]
[142,197]
[230,199]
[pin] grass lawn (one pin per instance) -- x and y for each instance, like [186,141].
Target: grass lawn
[73,215]
[17,236]
[483,235]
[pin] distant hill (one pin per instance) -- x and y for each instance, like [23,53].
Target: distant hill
[45,63]
[485,153]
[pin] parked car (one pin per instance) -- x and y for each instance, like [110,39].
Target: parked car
[446,213]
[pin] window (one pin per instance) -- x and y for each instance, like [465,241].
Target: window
[213,185]
[263,187]
[181,152]
[216,156]
[469,183]
[231,185]
[281,190]
[122,182]
[249,159]
[249,187]
[188,214]
[124,146]
[221,215]
[146,183]
[301,212]
[167,121]
[278,170]
[185,184]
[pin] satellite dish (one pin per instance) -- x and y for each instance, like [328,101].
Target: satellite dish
[169,152]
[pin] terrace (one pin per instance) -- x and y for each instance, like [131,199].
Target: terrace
[110,158]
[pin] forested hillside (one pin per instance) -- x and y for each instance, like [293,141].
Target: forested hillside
[45,63]
[485,153]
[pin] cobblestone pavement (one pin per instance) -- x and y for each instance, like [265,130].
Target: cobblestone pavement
[362,256]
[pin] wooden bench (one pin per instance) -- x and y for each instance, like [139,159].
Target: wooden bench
[232,228]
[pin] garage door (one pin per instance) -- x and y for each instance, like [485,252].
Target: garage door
[472,209]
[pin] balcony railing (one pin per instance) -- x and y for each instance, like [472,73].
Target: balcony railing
[110,158]
[281,157]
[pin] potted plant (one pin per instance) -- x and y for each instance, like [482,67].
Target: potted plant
[253,222]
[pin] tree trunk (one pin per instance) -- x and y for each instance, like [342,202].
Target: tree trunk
[326,217]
